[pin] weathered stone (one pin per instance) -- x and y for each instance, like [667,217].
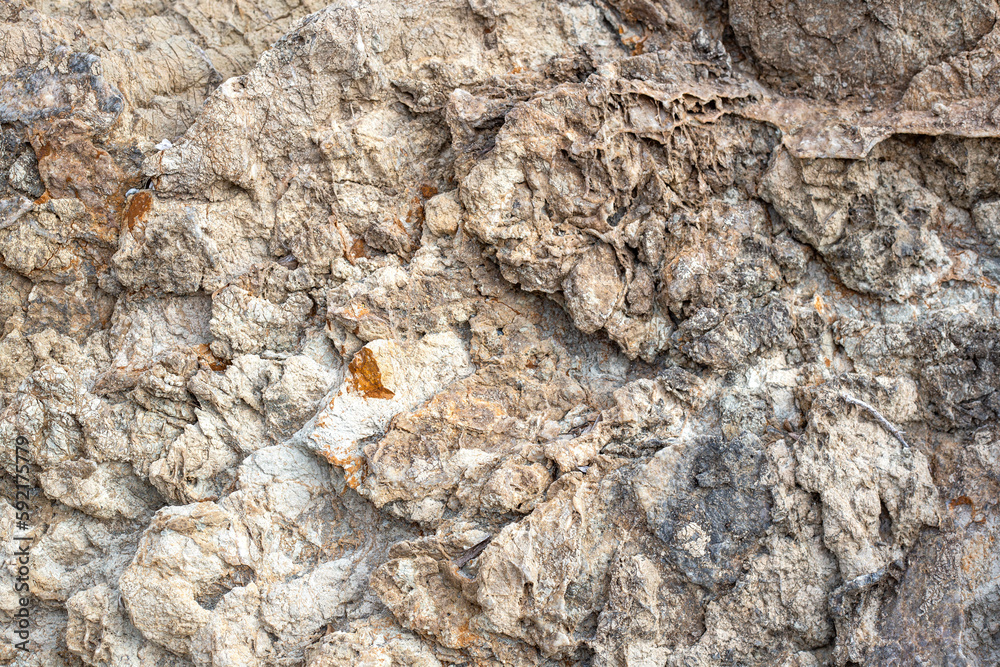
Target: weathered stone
[500,332]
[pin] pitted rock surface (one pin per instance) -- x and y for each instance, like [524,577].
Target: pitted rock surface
[612,333]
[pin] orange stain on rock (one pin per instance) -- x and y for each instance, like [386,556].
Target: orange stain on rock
[138,207]
[354,311]
[463,636]
[357,250]
[366,378]
[415,216]
[353,467]
[819,304]
[43,150]
[73,167]
[204,353]
[961,500]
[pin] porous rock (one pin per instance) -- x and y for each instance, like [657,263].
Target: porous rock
[507,333]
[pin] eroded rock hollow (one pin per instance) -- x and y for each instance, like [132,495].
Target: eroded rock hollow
[618,333]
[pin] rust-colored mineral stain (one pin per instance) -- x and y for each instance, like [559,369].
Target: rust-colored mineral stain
[427,191]
[43,150]
[204,353]
[638,44]
[353,467]
[138,207]
[357,249]
[962,500]
[355,310]
[366,378]
[415,215]
[72,166]
[463,636]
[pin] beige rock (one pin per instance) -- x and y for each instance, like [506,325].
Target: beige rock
[382,380]
[500,333]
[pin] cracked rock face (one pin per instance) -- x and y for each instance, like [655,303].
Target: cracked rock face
[613,333]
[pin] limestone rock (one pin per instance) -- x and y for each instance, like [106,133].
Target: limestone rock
[500,332]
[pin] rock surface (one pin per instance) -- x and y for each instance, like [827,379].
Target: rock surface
[625,333]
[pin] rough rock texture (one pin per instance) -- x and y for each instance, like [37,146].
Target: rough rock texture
[624,333]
